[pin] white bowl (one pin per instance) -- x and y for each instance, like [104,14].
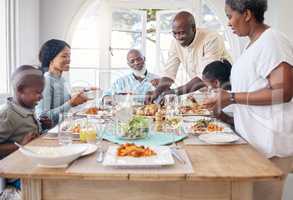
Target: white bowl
[55,157]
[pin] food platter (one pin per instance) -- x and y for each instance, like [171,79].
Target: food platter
[204,125]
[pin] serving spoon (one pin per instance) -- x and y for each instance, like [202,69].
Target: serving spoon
[23,147]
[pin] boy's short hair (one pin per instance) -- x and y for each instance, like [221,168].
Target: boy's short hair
[26,76]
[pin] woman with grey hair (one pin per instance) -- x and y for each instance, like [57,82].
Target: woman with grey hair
[261,96]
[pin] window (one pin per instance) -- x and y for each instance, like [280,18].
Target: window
[128,31]
[212,22]
[3,48]
[209,19]
[164,38]
[85,50]
[107,30]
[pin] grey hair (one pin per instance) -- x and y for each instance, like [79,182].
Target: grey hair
[257,7]
[134,51]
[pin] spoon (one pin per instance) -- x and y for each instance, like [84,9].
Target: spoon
[23,147]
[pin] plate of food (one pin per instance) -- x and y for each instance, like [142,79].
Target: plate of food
[193,105]
[131,155]
[195,109]
[73,128]
[206,125]
[146,110]
[95,112]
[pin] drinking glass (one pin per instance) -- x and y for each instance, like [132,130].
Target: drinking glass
[108,102]
[173,124]
[173,119]
[100,129]
[90,130]
[171,101]
[64,126]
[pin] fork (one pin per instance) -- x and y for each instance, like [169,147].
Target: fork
[177,155]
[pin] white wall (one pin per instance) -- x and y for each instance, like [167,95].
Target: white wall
[27,31]
[56,17]
[280,16]
[40,20]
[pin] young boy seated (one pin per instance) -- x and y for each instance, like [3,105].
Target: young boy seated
[217,75]
[17,119]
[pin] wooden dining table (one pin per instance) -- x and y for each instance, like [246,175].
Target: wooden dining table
[219,172]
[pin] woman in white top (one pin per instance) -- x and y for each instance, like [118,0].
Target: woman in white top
[261,81]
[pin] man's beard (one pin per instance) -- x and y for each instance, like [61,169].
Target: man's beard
[139,73]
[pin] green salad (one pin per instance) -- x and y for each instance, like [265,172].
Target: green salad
[137,127]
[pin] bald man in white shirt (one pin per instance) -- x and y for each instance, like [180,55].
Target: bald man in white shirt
[192,47]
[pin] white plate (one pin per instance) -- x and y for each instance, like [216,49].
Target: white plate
[100,114]
[189,121]
[218,138]
[205,112]
[163,157]
[91,149]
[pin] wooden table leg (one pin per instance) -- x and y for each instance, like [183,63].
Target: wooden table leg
[31,189]
[241,190]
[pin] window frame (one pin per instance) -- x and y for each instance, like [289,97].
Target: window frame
[143,33]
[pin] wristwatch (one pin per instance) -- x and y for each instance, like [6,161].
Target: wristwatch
[232,97]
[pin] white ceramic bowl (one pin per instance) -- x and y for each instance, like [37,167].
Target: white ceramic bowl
[58,156]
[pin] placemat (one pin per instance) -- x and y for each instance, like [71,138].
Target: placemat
[88,165]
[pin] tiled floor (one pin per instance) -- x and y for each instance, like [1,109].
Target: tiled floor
[288,193]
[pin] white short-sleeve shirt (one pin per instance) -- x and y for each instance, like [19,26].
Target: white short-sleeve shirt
[268,128]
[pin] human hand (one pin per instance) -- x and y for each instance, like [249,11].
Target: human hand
[92,88]
[218,100]
[170,91]
[46,122]
[150,97]
[78,99]
[155,82]
[28,137]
